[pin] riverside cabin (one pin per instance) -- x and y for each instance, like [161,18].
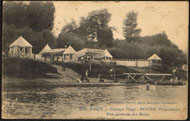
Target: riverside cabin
[153,60]
[67,54]
[94,55]
[43,51]
[20,48]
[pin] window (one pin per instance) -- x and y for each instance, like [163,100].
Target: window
[26,50]
[88,57]
[71,56]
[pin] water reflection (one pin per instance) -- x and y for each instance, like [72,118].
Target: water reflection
[51,102]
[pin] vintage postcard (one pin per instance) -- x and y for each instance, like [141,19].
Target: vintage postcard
[95,60]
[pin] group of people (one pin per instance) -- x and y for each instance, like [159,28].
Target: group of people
[84,77]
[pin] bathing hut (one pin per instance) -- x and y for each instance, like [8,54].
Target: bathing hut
[54,54]
[94,55]
[67,54]
[20,48]
[41,54]
[45,49]
[154,60]
[70,55]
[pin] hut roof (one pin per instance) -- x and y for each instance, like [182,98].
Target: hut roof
[107,54]
[154,57]
[69,50]
[21,42]
[57,50]
[45,49]
[99,53]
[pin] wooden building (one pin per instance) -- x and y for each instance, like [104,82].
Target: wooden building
[94,55]
[20,48]
[154,60]
[45,49]
[60,54]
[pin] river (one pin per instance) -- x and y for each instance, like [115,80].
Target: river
[77,102]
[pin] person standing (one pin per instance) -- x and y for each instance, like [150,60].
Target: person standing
[86,74]
[63,67]
[111,73]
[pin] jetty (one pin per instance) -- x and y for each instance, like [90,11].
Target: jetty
[143,76]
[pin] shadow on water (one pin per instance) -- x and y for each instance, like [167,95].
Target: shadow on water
[52,102]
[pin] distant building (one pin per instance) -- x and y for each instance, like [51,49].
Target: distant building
[20,48]
[70,55]
[60,54]
[185,67]
[154,60]
[133,62]
[151,61]
[44,50]
[94,55]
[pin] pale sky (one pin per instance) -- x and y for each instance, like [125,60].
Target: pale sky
[153,18]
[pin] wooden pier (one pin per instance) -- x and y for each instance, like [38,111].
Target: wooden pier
[144,76]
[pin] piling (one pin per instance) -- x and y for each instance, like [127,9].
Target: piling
[99,79]
[147,86]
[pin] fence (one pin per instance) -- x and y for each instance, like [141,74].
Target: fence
[133,62]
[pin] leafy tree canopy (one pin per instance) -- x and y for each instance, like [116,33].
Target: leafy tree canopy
[130,30]
[33,21]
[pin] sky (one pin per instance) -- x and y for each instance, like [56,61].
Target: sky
[153,17]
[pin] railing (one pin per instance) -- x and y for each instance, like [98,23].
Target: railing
[133,62]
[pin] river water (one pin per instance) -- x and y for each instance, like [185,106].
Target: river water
[79,102]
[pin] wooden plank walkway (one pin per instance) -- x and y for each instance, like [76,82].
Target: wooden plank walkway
[144,76]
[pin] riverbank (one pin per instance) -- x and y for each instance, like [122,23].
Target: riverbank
[26,68]
[39,73]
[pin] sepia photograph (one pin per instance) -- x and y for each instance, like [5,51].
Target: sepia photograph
[95,60]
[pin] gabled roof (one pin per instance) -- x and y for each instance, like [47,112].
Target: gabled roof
[58,50]
[69,50]
[94,50]
[99,53]
[107,54]
[45,49]
[88,51]
[21,42]
[154,57]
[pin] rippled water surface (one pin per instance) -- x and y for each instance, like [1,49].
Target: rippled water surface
[60,102]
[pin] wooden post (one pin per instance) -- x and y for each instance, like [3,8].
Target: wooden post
[114,78]
[128,77]
[143,78]
[162,78]
[99,78]
[90,66]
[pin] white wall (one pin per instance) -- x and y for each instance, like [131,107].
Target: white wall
[133,62]
[143,63]
[38,56]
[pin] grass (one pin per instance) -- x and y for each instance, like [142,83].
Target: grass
[26,68]
[96,69]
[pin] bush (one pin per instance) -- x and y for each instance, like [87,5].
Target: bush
[102,69]
[26,67]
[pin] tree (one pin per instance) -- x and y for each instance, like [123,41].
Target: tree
[69,28]
[130,30]
[40,15]
[93,27]
[33,21]
[94,24]
[15,14]
[105,37]
[66,39]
